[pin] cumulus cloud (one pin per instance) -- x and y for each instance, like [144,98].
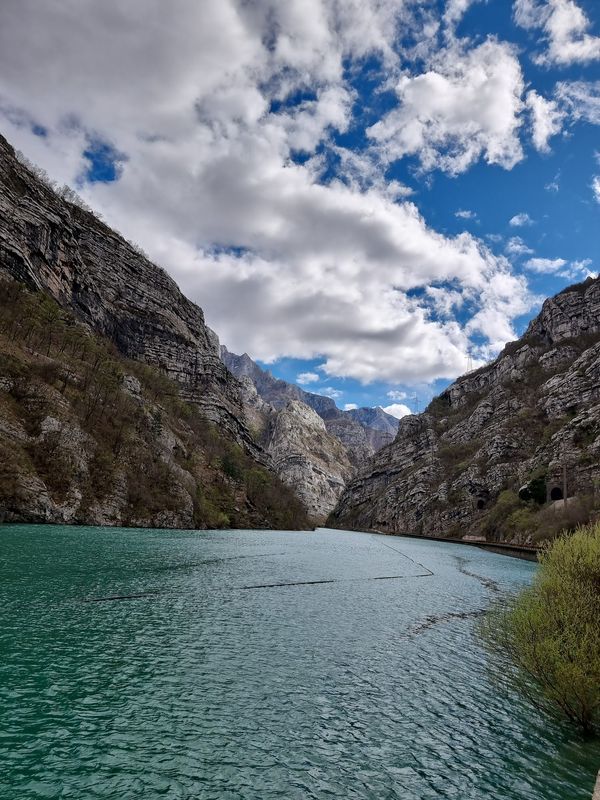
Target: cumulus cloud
[304,378]
[397,410]
[574,270]
[350,406]
[548,265]
[329,391]
[564,25]
[517,247]
[210,110]
[397,394]
[596,187]
[547,119]
[581,99]
[465,107]
[520,220]
[464,213]
[455,10]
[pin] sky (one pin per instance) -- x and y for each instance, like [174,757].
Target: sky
[369,197]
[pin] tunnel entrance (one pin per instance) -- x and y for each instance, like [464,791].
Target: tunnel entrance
[556,493]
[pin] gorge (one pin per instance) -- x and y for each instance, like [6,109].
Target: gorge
[221,437]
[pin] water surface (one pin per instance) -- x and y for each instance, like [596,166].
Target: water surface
[259,665]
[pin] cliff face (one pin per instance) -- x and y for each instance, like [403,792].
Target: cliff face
[315,447]
[89,437]
[150,432]
[306,457]
[527,421]
[52,245]
[362,431]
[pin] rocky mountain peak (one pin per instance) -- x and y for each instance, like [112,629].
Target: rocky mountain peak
[532,415]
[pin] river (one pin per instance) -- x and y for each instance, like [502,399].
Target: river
[260,665]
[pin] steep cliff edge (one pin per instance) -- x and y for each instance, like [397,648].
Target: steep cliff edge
[89,437]
[490,455]
[316,448]
[306,457]
[115,406]
[53,245]
[362,431]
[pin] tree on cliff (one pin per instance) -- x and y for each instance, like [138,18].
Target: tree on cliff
[546,641]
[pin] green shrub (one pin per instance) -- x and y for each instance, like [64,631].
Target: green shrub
[57,367]
[546,641]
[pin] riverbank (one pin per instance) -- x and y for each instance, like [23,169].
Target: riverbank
[526,552]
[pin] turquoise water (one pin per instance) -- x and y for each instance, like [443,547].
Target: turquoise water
[166,664]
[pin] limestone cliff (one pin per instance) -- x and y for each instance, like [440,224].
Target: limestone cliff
[305,456]
[55,246]
[491,453]
[316,448]
[308,458]
[115,406]
[362,431]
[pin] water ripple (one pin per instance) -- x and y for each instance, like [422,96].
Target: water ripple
[328,682]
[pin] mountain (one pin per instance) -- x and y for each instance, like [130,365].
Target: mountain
[307,457]
[490,457]
[304,455]
[362,431]
[315,447]
[115,406]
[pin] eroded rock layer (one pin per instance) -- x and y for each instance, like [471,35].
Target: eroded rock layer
[531,417]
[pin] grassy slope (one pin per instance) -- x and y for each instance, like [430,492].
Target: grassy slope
[98,431]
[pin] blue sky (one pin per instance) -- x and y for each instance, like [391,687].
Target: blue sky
[370,196]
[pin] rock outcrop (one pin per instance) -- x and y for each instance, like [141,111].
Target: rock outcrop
[316,448]
[532,414]
[115,405]
[362,431]
[53,245]
[307,457]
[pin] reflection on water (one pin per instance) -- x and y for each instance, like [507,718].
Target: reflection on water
[258,665]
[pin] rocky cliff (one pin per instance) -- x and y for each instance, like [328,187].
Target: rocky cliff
[115,406]
[305,456]
[315,447]
[490,456]
[55,246]
[362,431]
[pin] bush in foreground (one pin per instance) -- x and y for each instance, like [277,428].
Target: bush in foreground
[546,641]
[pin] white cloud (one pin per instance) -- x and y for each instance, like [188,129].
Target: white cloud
[464,213]
[581,99]
[545,265]
[397,394]
[455,10]
[329,391]
[465,107]
[282,263]
[579,269]
[305,378]
[565,30]
[596,187]
[397,410]
[520,220]
[350,406]
[547,119]
[517,247]
[570,271]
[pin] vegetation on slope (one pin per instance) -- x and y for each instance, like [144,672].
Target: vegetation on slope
[547,640]
[95,431]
